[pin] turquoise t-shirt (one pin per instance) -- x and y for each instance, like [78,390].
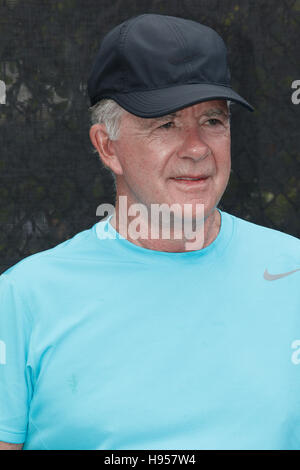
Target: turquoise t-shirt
[108,345]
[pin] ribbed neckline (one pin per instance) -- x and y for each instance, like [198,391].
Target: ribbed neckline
[104,231]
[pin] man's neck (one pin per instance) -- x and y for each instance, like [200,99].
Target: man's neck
[211,227]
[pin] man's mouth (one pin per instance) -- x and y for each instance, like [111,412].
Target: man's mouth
[191,180]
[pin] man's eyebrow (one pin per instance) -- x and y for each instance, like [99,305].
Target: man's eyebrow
[149,122]
[209,112]
[213,111]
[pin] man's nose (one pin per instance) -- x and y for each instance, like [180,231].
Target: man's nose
[193,146]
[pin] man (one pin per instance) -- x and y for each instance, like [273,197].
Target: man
[115,341]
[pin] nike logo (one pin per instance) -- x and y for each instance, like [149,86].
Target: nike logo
[273,277]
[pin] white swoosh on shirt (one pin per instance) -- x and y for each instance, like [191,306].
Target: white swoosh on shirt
[273,277]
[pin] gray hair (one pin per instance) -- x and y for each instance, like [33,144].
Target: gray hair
[109,112]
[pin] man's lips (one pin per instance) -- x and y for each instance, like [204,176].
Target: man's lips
[190,177]
[190,180]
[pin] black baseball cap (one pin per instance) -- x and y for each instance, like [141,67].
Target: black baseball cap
[153,65]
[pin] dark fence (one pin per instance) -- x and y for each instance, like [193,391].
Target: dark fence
[50,180]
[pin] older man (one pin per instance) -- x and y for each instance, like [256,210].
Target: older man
[182,159]
[112,341]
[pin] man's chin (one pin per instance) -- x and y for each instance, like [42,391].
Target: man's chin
[194,209]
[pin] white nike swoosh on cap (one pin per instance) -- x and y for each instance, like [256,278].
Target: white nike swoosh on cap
[273,277]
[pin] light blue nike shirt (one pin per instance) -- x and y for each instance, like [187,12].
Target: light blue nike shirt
[108,345]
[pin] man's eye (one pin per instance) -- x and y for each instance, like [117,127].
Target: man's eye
[167,125]
[214,122]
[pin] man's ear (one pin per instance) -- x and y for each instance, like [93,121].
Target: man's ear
[102,143]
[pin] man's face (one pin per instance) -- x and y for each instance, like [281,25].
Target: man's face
[154,153]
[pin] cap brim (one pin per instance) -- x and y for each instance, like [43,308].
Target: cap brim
[156,103]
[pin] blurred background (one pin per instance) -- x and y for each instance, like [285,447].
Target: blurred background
[51,182]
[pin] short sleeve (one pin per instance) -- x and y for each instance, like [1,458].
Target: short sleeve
[15,372]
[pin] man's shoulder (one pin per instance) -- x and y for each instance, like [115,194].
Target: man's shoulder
[264,231]
[266,239]
[34,266]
